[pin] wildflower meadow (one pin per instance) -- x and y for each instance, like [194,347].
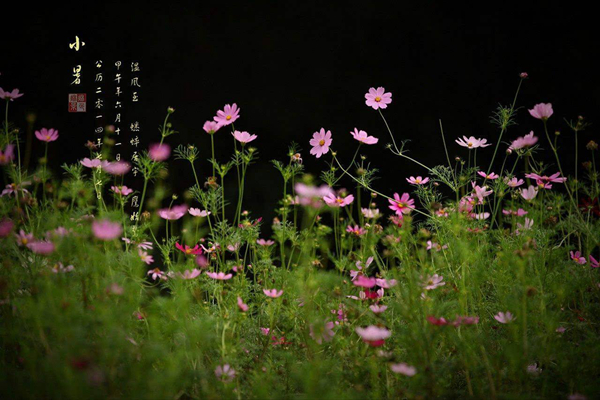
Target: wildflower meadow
[482,280]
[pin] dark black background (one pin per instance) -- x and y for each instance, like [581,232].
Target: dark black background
[293,69]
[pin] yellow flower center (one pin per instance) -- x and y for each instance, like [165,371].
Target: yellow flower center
[24,241]
[418,180]
[340,201]
[47,137]
[377,98]
[470,144]
[228,117]
[321,142]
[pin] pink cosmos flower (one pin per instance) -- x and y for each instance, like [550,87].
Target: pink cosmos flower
[225,373]
[525,141]
[472,142]
[23,238]
[417,181]
[59,267]
[365,282]
[435,246]
[228,116]
[363,137]
[336,201]
[527,225]
[491,176]
[201,261]
[263,242]
[325,334]
[385,283]
[220,276]
[593,262]
[145,257]
[243,137]
[356,230]
[480,216]
[106,229]
[370,213]
[519,213]
[542,111]
[189,274]
[533,369]
[8,155]
[373,335]
[481,192]
[466,320]
[561,329]
[378,309]
[404,369]
[14,94]
[159,152]
[320,142]
[196,212]
[122,190]
[504,318]
[529,193]
[437,321]
[545,182]
[116,167]
[273,293]
[13,189]
[211,127]
[172,214]
[86,162]
[402,205]
[43,247]
[578,258]
[241,305]
[265,331]
[378,98]
[514,182]
[187,250]
[359,265]
[6,227]
[433,282]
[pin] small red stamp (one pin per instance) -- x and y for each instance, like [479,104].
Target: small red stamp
[77,102]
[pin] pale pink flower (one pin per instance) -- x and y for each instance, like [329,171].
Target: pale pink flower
[14,188]
[378,309]
[263,242]
[435,246]
[373,335]
[325,334]
[433,282]
[529,193]
[320,142]
[472,142]
[225,373]
[363,137]
[145,257]
[14,94]
[561,329]
[241,305]
[43,247]
[504,318]
[86,162]
[527,225]
[359,265]
[8,155]
[47,135]
[541,111]
[211,127]
[122,190]
[370,213]
[59,267]
[273,293]
[116,167]
[378,98]
[481,192]
[243,137]
[189,274]
[24,238]
[480,216]
[228,115]
[514,182]
[157,274]
[159,152]
[490,176]
[171,214]
[402,205]
[356,230]
[404,369]
[417,181]
[578,258]
[196,212]
[525,141]
[333,200]
[106,229]
[221,276]
[233,247]
[385,283]
[116,289]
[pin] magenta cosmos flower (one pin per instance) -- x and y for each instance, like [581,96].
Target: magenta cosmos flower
[365,282]
[417,181]
[273,293]
[43,247]
[402,205]
[578,258]
[545,182]
[47,135]
[378,98]
[122,190]
[116,167]
[373,335]
[189,250]
[6,227]
[504,318]
[243,137]
[7,155]
[320,141]
[106,229]
[159,152]
[593,262]
[228,115]
[220,276]
[363,137]
[10,95]
[211,127]
[336,201]
[542,111]
[404,369]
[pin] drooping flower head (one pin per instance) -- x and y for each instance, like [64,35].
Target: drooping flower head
[47,135]
[228,115]
[363,137]
[320,141]
[378,98]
